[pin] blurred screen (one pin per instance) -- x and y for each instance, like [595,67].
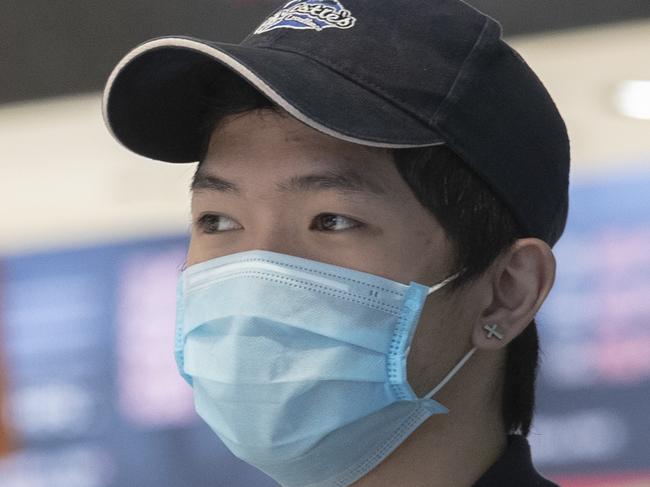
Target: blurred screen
[594,388]
[94,398]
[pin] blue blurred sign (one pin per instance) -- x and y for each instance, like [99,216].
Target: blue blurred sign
[594,390]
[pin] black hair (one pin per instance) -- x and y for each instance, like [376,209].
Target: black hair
[477,223]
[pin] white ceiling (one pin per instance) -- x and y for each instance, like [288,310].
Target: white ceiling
[67,182]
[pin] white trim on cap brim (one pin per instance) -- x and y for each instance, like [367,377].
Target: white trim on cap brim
[242,70]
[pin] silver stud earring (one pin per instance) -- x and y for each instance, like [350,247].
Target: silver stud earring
[492,331]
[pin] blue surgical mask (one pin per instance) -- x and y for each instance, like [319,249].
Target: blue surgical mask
[300,366]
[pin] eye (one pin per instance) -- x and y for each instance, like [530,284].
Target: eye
[217,224]
[329,222]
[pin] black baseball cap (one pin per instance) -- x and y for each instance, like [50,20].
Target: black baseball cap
[394,74]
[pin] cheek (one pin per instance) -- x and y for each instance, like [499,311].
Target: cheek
[427,347]
[422,253]
[440,341]
[198,250]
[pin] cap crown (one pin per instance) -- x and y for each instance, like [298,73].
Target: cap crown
[445,63]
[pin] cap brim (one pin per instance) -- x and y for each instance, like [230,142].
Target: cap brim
[155,97]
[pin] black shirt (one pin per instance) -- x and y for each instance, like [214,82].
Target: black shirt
[514,468]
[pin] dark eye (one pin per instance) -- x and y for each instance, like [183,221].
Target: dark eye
[217,224]
[329,222]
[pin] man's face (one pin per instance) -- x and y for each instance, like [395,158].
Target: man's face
[268,182]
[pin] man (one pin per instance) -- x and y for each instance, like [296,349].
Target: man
[378,192]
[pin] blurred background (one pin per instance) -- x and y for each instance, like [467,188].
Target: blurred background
[92,238]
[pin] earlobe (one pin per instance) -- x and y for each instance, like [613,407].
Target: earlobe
[491,336]
[520,281]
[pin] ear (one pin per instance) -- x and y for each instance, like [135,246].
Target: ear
[518,283]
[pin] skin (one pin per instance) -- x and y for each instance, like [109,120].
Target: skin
[390,235]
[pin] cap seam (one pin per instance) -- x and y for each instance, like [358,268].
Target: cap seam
[447,100]
[530,227]
[503,196]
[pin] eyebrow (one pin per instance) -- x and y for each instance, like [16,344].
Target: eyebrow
[342,181]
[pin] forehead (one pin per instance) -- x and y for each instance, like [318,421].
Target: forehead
[276,128]
[264,144]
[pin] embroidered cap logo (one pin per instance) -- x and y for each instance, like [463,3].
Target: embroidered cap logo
[309,14]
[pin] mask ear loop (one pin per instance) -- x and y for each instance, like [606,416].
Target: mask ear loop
[467,356]
[442,284]
[452,373]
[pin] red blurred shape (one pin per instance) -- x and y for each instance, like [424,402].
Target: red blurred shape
[629,479]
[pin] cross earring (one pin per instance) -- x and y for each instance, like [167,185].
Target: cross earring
[492,331]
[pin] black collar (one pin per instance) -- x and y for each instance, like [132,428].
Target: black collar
[514,468]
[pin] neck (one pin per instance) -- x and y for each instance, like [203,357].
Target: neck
[447,449]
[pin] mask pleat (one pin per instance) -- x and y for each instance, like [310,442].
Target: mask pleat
[371,324]
[260,430]
[226,350]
